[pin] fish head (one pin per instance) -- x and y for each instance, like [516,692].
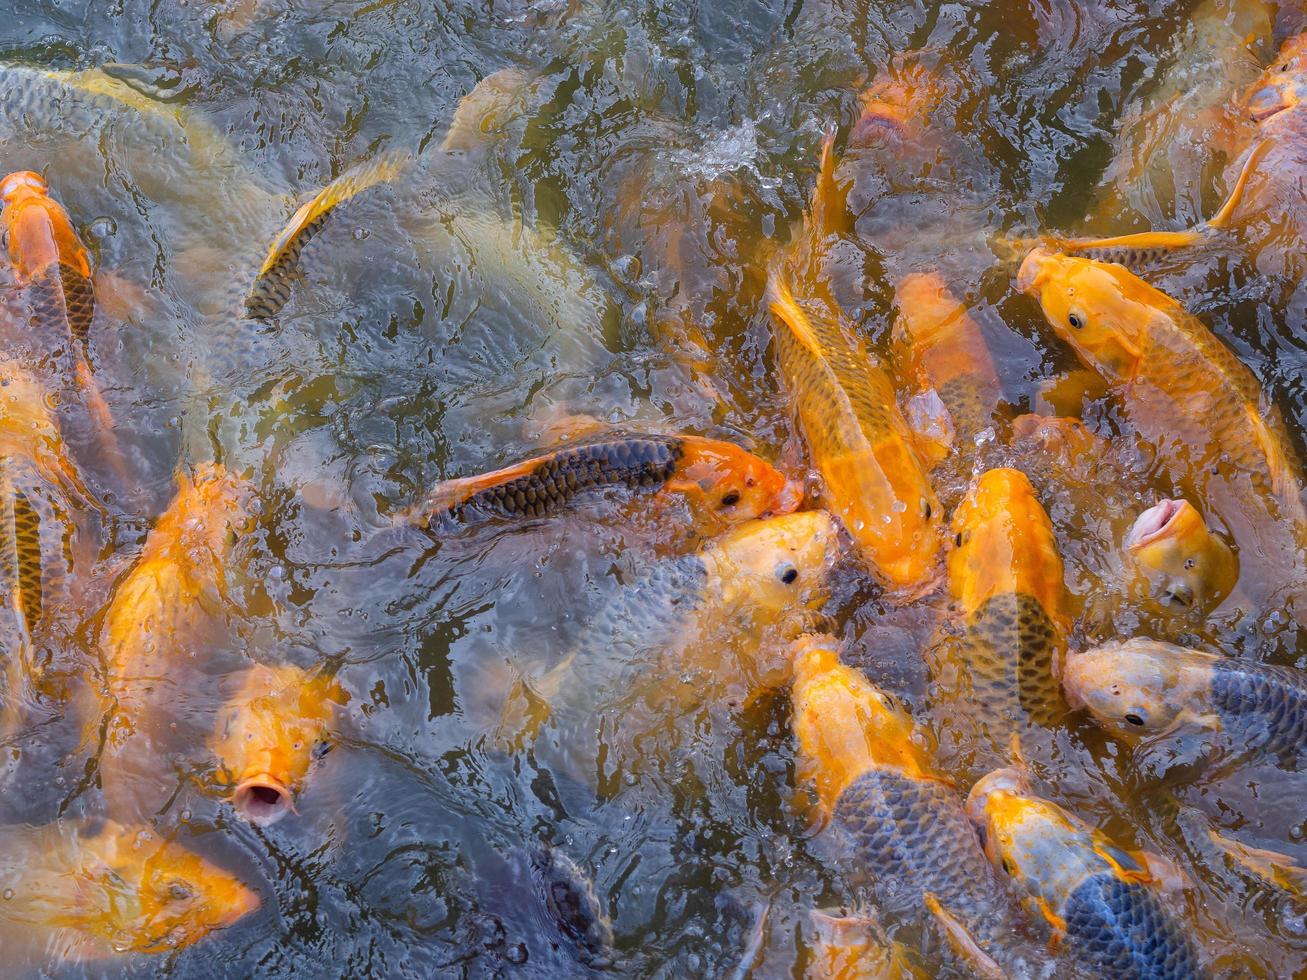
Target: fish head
[1176,560]
[844,725]
[1003,543]
[211,510]
[1065,439]
[1138,688]
[775,563]
[38,232]
[1032,842]
[898,105]
[180,897]
[1283,86]
[736,485]
[270,732]
[1102,310]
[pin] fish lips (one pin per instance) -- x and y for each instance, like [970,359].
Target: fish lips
[263,799]
[1152,523]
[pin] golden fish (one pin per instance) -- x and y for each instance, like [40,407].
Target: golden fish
[724,483]
[899,823]
[269,733]
[152,641]
[942,352]
[996,667]
[1098,901]
[1177,560]
[1183,391]
[79,893]
[855,948]
[873,480]
[683,638]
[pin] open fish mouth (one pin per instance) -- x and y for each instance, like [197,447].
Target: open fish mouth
[262,800]
[1153,523]
[1267,102]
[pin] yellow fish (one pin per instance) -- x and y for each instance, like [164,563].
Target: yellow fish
[1177,561]
[873,480]
[94,891]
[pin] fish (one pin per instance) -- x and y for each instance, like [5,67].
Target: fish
[996,666]
[851,947]
[726,483]
[54,276]
[156,623]
[1176,561]
[569,898]
[1141,688]
[942,350]
[682,637]
[896,821]
[272,284]
[268,734]
[1099,902]
[873,479]
[1182,390]
[94,891]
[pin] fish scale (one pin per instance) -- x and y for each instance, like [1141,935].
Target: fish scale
[63,303]
[1121,930]
[912,838]
[1262,702]
[970,403]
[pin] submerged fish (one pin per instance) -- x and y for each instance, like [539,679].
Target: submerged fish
[995,670]
[1138,688]
[1183,391]
[1098,901]
[1177,560]
[724,483]
[268,735]
[873,480]
[943,353]
[79,893]
[899,825]
[154,638]
[682,638]
[855,948]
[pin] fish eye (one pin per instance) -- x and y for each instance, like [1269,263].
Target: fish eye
[957,540]
[1075,320]
[731,498]
[1134,719]
[787,574]
[925,508]
[179,891]
[1284,67]
[1007,866]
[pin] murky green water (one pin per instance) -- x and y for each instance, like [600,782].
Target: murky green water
[661,152]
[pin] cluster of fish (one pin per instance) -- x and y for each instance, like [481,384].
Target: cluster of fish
[950,845]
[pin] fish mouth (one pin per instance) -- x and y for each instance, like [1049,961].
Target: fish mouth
[1028,276]
[1153,523]
[262,800]
[1265,103]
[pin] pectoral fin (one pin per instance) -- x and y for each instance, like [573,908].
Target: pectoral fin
[962,942]
[1271,866]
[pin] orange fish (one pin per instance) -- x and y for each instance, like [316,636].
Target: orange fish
[53,272]
[942,353]
[723,483]
[1183,391]
[1177,561]
[996,666]
[269,733]
[874,481]
[155,630]
[82,892]
[855,948]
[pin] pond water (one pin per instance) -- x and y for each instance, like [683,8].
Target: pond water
[595,247]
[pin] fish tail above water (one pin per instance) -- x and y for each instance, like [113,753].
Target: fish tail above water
[272,283]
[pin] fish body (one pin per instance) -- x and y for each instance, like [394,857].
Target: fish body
[996,668]
[943,351]
[93,891]
[874,481]
[154,638]
[1183,390]
[900,822]
[728,484]
[1142,688]
[1176,560]
[1099,902]
[268,735]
